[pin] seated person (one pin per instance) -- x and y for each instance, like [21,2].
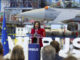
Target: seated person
[70,58]
[17,53]
[48,53]
[56,45]
[1,58]
[1,49]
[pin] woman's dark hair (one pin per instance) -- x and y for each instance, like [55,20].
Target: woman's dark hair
[17,53]
[35,23]
[1,49]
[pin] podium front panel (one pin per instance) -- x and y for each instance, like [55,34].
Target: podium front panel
[34,52]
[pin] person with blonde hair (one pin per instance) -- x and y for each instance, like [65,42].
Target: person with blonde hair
[48,53]
[17,53]
[1,58]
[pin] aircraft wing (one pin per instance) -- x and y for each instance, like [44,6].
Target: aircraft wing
[40,14]
[66,14]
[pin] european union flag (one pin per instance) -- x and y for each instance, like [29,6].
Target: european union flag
[4,36]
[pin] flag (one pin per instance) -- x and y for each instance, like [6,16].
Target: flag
[4,36]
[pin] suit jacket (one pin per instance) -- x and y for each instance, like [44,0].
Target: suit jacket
[57,57]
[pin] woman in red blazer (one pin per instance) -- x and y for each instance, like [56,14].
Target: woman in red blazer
[37,30]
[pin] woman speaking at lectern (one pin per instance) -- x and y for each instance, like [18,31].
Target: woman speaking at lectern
[37,33]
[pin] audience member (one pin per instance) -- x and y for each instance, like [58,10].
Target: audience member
[17,53]
[1,58]
[48,53]
[1,49]
[56,45]
[70,58]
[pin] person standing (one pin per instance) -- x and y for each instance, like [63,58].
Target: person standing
[37,33]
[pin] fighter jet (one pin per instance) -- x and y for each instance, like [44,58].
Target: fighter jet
[51,14]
